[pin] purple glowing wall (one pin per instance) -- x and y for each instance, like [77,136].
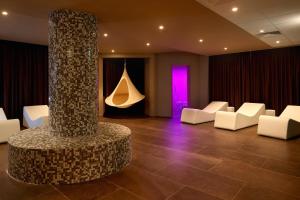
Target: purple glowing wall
[180,86]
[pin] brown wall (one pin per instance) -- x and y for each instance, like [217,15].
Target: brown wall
[198,80]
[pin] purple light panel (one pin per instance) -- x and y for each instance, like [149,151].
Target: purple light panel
[179,89]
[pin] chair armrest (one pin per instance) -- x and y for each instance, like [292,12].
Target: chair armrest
[225,120]
[230,109]
[270,112]
[272,126]
[42,121]
[7,128]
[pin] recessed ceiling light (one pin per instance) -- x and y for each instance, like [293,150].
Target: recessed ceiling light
[277,42]
[4,13]
[201,40]
[225,48]
[161,27]
[234,9]
[148,44]
[261,30]
[113,51]
[105,34]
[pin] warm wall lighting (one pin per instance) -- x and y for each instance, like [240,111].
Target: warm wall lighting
[235,9]
[225,48]
[161,27]
[4,13]
[148,44]
[113,51]
[105,35]
[277,42]
[261,30]
[201,40]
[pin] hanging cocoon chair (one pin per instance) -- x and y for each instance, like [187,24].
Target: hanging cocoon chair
[125,94]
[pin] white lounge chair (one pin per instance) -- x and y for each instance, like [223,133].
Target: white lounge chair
[7,127]
[286,126]
[196,116]
[247,115]
[35,116]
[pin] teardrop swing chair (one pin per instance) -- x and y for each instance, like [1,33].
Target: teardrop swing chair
[125,94]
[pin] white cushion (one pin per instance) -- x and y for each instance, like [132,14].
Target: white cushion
[195,116]
[33,115]
[291,112]
[2,115]
[286,126]
[7,127]
[247,115]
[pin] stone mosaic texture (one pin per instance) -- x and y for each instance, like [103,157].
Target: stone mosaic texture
[73,72]
[38,157]
[73,147]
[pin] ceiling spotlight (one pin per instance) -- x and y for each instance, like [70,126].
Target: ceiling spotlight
[148,44]
[234,9]
[277,42]
[105,35]
[4,13]
[201,40]
[225,48]
[261,30]
[113,51]
[161,27]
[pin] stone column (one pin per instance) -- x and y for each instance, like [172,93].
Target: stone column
[73,72]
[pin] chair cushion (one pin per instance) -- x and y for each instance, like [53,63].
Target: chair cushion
[2,115]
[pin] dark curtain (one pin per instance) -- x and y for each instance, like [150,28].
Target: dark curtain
[269,76]
[23,76]
[112,72]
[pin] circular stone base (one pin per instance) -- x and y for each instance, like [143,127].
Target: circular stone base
[37,157]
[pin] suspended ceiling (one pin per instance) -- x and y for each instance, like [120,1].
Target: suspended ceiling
[132,23]
[268,20]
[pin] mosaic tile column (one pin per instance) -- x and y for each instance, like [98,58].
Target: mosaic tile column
[88,150]
[73,69]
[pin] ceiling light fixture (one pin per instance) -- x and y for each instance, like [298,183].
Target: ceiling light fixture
[261,30]
[161,27]
[277,42]
[148,44]
[225,48]
[113,51]
[201,40]
[105,35]
[234,9]
[4,13]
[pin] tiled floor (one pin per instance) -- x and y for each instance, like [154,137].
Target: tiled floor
[183,162]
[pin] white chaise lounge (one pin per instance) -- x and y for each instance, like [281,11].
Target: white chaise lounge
[196,116]
[286,126]
[7,127]
[35,116]
[247,115]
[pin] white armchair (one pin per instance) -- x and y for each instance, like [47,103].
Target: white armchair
[196,116]
[35,116]
[7,127]
[247,115]
[286,126]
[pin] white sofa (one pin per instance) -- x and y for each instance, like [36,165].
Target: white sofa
[286,126]
[35,116]
[196,116]
[7,127]
[247,115]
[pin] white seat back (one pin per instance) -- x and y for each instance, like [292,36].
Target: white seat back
[35,112]
[2,115]
[291,112]
[251,109]
[215,106]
